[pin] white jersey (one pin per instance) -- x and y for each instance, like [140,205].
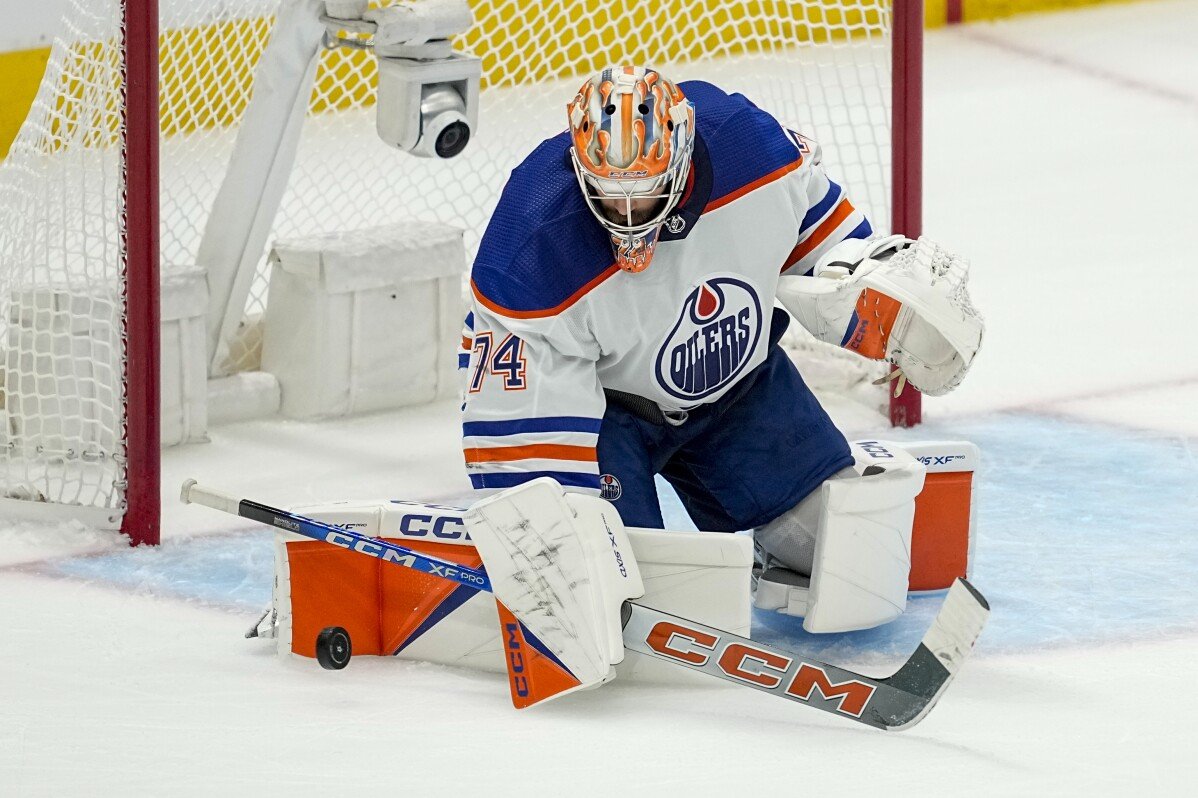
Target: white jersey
[555,322]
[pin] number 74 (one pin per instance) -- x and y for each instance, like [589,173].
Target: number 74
[505,360]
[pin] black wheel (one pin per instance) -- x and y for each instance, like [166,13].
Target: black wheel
[333,648]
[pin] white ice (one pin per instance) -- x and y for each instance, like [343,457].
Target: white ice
[1061,157]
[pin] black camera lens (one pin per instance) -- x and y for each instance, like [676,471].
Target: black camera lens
[452,140]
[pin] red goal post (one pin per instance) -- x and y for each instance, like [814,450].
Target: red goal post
[906,171]
[140,242]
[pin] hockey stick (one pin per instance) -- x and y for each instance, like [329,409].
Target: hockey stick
[898,701]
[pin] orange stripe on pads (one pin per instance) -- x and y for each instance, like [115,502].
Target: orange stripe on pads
[544,451]
[553,311]
[940,531]
[409,598]
[818,236]
[756,184]
[380,606]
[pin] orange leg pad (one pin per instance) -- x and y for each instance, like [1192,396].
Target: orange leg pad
[333,587]
[533,674]
[412,600]
[940,533]
[380,605]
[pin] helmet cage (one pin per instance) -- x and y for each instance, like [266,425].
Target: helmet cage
[668,186]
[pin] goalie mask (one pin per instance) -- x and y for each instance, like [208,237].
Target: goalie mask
[633,132]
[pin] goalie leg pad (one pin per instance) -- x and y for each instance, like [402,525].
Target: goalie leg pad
[860,554]
[560,567]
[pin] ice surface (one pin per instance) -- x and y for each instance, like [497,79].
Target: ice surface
[234,571]
[1086,536]
[33,541]
[1060,158]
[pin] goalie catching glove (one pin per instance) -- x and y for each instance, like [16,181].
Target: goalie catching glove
[893,299]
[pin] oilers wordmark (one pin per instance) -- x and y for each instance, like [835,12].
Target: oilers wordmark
[713,340]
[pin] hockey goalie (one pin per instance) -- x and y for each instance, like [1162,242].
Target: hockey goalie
[624,326]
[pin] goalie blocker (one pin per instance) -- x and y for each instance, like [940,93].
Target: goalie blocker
[561,568]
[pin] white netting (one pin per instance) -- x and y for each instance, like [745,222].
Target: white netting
[60,277]
[821,66]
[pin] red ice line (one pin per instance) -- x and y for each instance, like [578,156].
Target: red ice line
[1082,68]
[1120,390]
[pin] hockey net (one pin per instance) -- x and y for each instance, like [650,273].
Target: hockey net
[822,67]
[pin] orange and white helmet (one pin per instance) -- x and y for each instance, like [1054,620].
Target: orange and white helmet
[633,134]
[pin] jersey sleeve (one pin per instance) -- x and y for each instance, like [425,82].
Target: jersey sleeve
[533,403]
[827,217]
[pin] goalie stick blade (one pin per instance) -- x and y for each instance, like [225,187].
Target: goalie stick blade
[895,702]
[944,647]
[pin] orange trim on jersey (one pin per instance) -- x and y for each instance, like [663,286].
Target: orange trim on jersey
[756,184]
[553,311]
[467,343]
[791,259]
[544,451]
[820,234]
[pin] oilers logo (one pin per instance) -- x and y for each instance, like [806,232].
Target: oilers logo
[713,339]
[610,488]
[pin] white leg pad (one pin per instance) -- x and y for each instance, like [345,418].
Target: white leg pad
[863,548]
